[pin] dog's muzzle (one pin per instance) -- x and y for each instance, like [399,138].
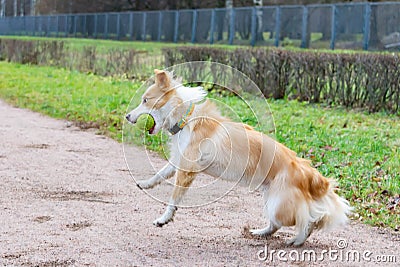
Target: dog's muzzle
[128,118]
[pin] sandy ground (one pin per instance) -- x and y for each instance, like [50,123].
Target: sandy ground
[67,199]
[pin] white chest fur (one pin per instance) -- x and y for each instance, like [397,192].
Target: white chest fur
[178,145]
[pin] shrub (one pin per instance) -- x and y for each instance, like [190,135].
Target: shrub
[358,80]
[56,53]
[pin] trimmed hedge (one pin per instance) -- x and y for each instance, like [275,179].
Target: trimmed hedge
[58,54]
[356,80]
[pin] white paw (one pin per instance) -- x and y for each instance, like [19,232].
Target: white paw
[144,184]
[258,232]
[264,232]
[166,217]
[295,242]
[290,241]
[160,222]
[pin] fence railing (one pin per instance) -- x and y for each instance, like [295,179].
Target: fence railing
[368,26]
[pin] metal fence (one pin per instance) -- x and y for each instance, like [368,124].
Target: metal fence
[368,26]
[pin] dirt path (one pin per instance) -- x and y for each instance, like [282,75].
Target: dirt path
[66,198]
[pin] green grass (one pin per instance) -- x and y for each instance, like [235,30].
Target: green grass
[90,101]
[101,45]
[360,150]
[154,48]
[105,45]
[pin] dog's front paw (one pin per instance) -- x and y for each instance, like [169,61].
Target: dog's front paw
[143,184]
[160,222]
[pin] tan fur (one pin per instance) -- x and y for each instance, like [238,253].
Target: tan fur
[295,193]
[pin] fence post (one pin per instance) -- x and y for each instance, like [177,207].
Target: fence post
[43,26]
[24,24]
[14,25]
[176,28]
[231,25]
[96,20]
[34,22]
[131,25]
[106,26]
[84,27]
[34,32]
[18,28]
[118,26]
[75,24]
[21,18]
[304,30]
[333,27]
[160,19]
[277,25]
[253,26]
[10,27]
[40,26]
[144,19]
[194,26]
[39,20]
[66,26]
[212,30]
[58,26]
[48,26]
[367,25]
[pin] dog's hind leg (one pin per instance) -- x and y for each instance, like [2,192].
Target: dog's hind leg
[182,183]
[166,172]
[267,231]
[302,236]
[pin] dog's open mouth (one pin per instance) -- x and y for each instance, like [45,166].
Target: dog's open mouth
[151,130]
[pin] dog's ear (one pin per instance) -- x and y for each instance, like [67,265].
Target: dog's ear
[162,79]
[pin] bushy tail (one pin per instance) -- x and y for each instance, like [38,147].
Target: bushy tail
[336,209]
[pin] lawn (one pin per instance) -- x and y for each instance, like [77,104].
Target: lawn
[360,150]
[105,45]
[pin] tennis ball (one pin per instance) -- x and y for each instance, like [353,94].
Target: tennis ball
[145,122]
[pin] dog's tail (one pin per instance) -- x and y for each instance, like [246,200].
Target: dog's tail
[335,209]
[326,209]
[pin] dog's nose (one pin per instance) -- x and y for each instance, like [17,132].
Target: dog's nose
[128,116]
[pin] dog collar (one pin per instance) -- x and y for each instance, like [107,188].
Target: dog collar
[180,124]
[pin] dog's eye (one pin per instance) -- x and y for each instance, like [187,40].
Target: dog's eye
[145,100]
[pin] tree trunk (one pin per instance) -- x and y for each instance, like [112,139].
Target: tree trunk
[3,8]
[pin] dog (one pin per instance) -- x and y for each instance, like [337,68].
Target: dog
[294,193]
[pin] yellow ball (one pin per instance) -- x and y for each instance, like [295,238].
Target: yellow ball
[145,122]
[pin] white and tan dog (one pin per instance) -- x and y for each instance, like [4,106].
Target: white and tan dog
[295,193]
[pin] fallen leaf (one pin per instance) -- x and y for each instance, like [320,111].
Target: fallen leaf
[385,192]
[318,164]
[373,211]
[330,148]
[377,179]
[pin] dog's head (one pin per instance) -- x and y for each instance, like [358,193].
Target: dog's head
[166,101]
